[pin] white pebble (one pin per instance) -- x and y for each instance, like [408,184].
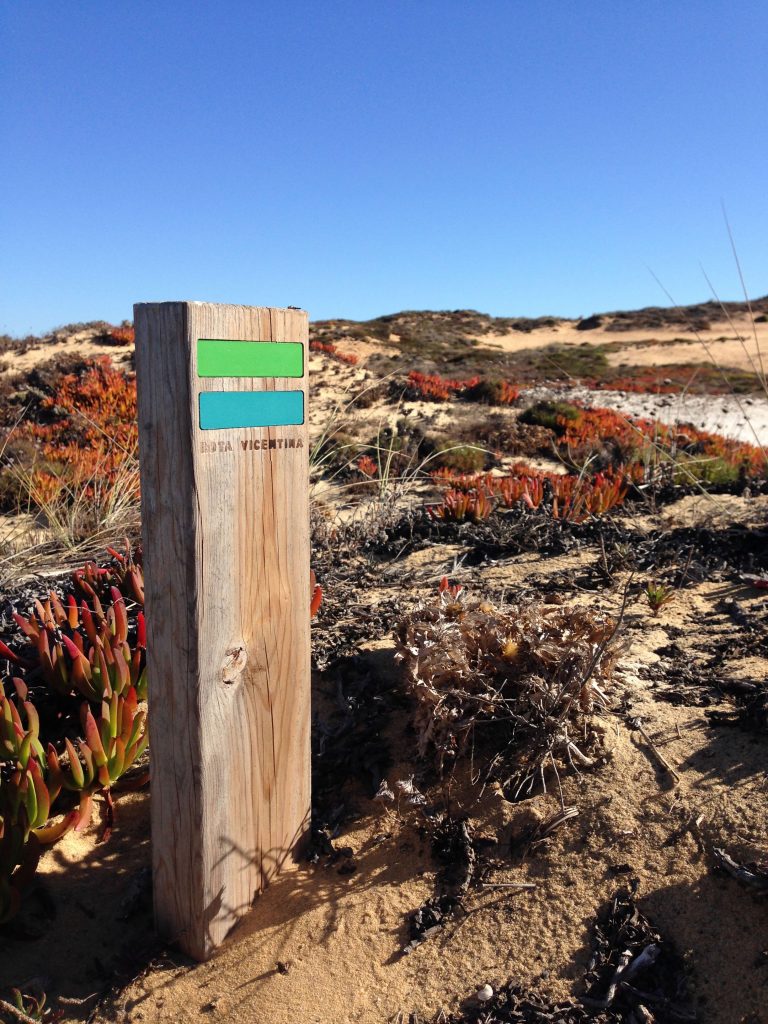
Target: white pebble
[484,994]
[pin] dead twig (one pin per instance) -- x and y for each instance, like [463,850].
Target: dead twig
[508,885]
[637,723]
[610,995]
[756,879]
[15,1012]
[547,827]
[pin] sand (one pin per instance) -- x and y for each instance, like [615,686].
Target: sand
[739,343]
[85,343]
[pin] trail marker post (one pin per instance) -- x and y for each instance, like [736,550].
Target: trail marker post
[222,396]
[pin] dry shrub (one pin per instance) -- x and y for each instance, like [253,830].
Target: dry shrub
[519,684]
[505,434]
[493,391]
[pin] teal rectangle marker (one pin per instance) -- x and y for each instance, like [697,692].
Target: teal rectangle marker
[249,358]
[227,410]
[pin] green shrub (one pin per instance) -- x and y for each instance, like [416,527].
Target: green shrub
[714,470]
[461,458]
[548,414]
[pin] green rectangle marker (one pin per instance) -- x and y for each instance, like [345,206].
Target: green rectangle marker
[249,358]
[228,410]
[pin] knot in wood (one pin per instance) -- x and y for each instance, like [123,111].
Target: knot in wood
[234,663]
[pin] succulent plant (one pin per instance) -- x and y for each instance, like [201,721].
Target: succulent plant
[25,800]
[86,649]
[110,747]
[458,506]
[657,595]
[78,650]
[315,595]
[434,388]
[83,651]
[330,349]
[125,573]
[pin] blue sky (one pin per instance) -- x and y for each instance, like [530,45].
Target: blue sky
[522,157]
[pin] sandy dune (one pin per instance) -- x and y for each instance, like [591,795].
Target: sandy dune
[739,343]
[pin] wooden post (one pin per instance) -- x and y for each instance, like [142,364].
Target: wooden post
[223,442]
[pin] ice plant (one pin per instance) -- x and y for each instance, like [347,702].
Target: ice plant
[25,799]
[444,476]
[86,651]
[649,443]
[124,335]
[315,595]
[572,498]
[367,466]
[110,747]
[451,597]
[331,350]
[32,1007]
[458,506]
[434,388]
[567,497]
[492,392]
[85,440]
[125,572]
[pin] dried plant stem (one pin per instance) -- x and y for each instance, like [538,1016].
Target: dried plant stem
[636,723]
[573,751]
[15,1012]
[557,777]
[508,885]
[758,372]
[762,374]
[740,872]
[545,828]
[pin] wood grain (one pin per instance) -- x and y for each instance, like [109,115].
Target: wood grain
[226,542]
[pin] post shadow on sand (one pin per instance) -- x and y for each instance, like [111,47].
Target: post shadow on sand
[269,862]
[294,892]
[347,767]
[729,753]
[87,927]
